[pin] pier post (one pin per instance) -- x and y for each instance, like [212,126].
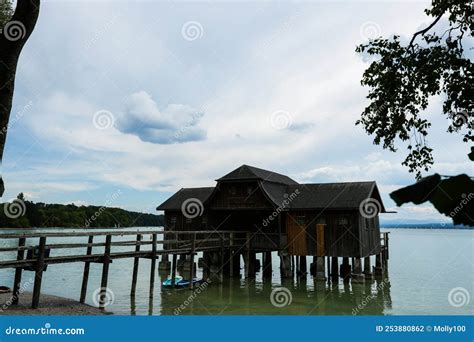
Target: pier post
[357,276]
[85,275]
[285,265]
[378,265]
[250,258]
[135,266]
[17,282]
[367,268]
[105,271]
[153,264]
[303,269]
[345,270]
[191,269]
[320,271]
[335,270]
[267,264]
[39,267]
[173,268]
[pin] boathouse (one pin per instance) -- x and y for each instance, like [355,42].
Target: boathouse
[315,219]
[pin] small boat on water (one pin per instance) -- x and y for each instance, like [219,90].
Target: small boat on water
[180,282]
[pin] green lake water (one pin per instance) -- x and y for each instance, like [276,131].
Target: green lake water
[431,272]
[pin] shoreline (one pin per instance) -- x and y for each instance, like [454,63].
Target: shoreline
[49,306]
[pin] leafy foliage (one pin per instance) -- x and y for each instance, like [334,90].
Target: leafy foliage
[40,215]
[403,78]
[6,11]
[452,196]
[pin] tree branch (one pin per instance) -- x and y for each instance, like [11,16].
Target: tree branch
[422,32]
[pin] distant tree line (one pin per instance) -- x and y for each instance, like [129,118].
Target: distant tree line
[21,213]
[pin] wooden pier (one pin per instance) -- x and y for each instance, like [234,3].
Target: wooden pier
[221,250]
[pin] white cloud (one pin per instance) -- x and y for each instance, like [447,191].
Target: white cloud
[175,124]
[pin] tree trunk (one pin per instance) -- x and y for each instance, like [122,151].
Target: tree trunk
[12,39]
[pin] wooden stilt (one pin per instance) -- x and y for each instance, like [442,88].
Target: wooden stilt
[85,275]
[17,282]
[191,268]
[267,264]
[303,269]
[345,270]
[39,268]
[136,261]
[334,270]
[153,265]
[173,268]
[105,271]
[367,268]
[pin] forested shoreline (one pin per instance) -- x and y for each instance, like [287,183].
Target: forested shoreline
[21,213]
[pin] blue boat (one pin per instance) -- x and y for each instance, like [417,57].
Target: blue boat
[180,282]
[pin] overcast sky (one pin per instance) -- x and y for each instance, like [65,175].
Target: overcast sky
[148,97]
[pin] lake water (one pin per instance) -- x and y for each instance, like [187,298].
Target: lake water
[431,272]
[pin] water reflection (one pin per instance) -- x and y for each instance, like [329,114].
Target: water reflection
[308,297]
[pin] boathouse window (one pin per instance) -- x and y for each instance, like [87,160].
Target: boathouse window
[300,220]
[321,220]
[204,220]
[173,219]
[342,221]
[189,220]
[249,190]
[232,190]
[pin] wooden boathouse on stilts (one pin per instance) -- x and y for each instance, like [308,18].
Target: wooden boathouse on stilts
[273,213]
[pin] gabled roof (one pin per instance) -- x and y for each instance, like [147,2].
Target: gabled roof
[175,202]
[284,192]
[250,172]
[324,195]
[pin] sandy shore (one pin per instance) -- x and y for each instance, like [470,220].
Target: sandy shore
[49,305]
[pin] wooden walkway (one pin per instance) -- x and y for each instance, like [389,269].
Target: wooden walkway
[40,255]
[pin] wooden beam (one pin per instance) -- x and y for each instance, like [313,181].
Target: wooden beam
[39,268]
[85,276]
[17,282]
[105,272]
[136,261]
[153,265]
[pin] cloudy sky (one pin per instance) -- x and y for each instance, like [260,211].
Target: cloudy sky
[148,97]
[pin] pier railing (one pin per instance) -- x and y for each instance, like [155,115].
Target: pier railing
[41,254]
